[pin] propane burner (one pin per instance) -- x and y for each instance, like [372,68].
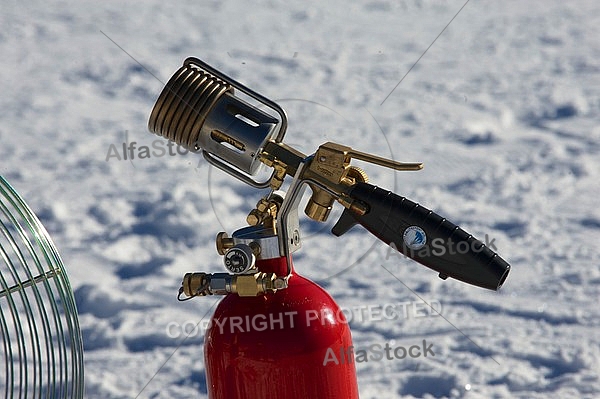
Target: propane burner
[199,109]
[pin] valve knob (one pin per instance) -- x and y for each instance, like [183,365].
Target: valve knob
[239,259]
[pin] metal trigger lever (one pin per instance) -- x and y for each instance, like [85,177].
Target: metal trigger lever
[386,163]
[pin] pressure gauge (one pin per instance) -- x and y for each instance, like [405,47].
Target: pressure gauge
[239,259]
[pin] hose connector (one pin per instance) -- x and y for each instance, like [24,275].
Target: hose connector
[245,285]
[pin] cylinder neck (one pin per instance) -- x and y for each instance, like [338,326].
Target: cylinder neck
[273,265]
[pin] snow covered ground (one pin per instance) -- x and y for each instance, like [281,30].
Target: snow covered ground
[504,110]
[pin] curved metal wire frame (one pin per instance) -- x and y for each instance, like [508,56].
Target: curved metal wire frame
[41,339]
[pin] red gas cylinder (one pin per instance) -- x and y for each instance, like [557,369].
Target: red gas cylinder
[275,345]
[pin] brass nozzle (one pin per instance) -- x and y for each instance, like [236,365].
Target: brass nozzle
[319,205]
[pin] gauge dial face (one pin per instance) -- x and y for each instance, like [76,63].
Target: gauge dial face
[239,259]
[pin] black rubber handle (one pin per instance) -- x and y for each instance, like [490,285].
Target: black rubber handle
[425,237]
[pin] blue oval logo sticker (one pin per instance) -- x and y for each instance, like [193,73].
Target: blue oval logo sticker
[414,237]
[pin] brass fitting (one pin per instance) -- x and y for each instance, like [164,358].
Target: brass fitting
[264,213]
[254,218]
[319,205]
[264,209]
[355,206]
[279,167]
[331,161]
[280,172]
[245,285]
[254,284]
[355,174]
[321,202]
[193,283]
[224,242]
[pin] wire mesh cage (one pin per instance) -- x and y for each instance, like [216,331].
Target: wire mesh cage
[41,355]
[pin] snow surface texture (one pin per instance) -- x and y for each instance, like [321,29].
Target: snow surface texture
[503,109]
